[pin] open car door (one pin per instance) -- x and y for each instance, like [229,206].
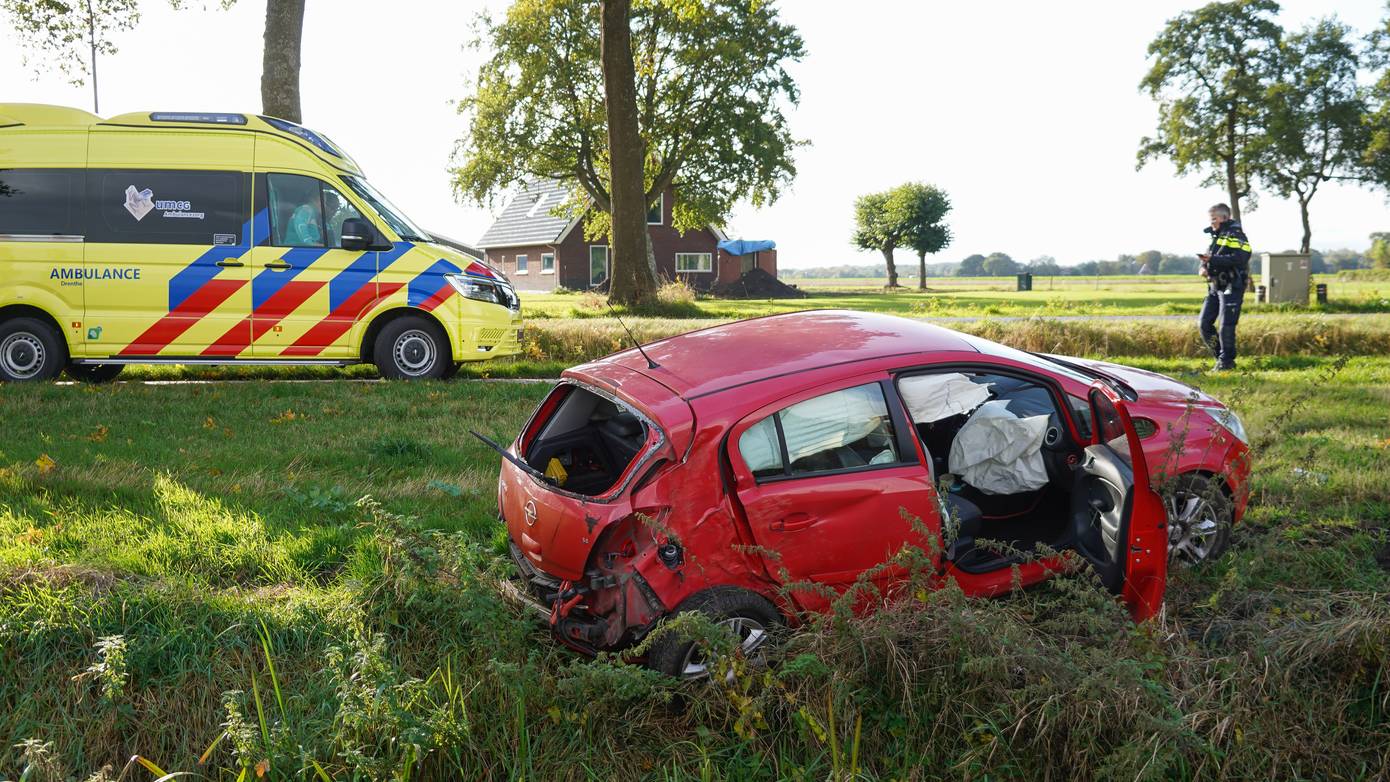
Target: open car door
[1119,522]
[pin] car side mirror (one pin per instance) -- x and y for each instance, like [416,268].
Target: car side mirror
[359,235]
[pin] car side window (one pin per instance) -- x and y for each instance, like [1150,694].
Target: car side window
[296,211]
[843,430]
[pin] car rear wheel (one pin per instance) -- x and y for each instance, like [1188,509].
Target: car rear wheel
[748,616]
[412,348]
[1199,519]
[94,373]
[30,350]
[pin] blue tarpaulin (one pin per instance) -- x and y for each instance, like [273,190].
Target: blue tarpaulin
[746,246]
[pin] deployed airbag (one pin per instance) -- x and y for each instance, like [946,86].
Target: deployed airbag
[998,452]
[934,397]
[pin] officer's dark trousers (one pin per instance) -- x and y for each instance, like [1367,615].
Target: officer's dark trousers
[1226,304]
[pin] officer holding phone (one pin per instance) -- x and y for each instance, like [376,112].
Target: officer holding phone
[1226,267]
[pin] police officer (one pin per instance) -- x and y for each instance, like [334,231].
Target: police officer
[1226,266]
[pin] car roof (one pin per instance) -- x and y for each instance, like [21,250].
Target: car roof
[732,354]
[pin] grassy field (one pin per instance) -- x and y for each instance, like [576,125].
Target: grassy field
[188,573]
[986,296]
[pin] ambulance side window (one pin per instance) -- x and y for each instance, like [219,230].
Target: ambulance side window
[154,206]
[336,209]
[40,202]
[296,211]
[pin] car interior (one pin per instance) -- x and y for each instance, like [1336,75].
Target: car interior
[993,527]
[587,443]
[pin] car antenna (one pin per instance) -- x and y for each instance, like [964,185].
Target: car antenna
[650,364]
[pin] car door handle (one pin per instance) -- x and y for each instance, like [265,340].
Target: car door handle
[228,264]
[793,522]
[278,265]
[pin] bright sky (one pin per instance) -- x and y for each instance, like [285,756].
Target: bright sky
[1026,113]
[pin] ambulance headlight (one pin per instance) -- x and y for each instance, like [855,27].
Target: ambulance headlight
[473,288]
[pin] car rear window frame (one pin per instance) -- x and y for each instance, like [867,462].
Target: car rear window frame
[620,487]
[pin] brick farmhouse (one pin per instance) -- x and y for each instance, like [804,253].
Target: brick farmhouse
[541,251]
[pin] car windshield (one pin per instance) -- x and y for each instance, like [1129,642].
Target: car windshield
[394,217]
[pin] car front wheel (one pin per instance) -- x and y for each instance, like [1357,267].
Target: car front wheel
[412,348]
[1199,519]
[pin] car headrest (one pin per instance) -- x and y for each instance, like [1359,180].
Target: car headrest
[623,425]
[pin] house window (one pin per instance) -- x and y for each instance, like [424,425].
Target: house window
[694,262]
[521,265]
[547,263]
[655,211]
[598,264]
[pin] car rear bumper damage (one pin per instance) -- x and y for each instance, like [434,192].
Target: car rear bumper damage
[605,612]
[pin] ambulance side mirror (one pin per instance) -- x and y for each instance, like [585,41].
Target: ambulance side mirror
[359,235]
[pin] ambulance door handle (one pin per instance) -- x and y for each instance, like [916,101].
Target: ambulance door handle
[279,265]
[226,264]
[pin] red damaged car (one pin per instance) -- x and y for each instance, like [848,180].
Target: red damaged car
[710,469]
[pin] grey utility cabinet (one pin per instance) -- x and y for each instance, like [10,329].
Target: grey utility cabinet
[1285,277]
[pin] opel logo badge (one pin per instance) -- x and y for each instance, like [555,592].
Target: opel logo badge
[530,512]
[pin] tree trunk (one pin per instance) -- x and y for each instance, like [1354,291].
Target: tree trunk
[633,280]
[892,269]
[1232,187]
[284,29]
[921,271]
[1307,227]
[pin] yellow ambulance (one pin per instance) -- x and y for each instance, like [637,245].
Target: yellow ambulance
[187,238]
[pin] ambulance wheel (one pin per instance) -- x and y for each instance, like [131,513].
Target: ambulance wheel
[94,373]
[30,350]
[412,348]
[748,616]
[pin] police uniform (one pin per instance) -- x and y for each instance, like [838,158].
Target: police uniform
[1228,273]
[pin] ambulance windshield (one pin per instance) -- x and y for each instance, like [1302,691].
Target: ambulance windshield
[394,217]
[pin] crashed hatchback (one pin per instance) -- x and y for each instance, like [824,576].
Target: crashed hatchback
[712,469]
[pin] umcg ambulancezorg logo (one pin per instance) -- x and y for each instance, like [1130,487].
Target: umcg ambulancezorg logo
[138,202]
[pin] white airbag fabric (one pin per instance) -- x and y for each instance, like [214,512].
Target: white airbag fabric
[934,397]
[999,453]
[828,422]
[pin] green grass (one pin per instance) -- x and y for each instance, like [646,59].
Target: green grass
[216,531]
[986,296]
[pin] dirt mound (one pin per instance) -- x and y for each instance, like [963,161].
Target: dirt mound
[758,284]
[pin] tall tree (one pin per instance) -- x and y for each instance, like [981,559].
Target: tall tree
[284,32]
[923,211]
[631,281]
[711,89]
[877,226]
[1211,69]
[283,35]
[68,35]
[1316,112]
[1377,156]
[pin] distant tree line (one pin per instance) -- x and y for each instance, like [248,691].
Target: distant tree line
[1000,264]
